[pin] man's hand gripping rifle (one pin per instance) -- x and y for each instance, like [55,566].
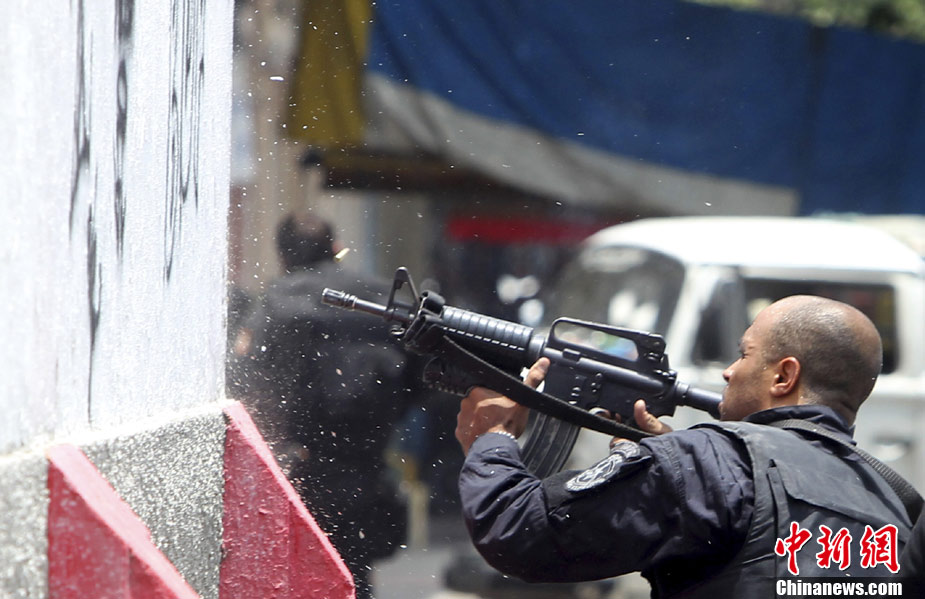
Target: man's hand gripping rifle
[592,367]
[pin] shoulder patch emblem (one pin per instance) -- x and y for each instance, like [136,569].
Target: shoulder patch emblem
[605,469]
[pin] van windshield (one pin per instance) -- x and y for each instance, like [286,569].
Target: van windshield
[620,286]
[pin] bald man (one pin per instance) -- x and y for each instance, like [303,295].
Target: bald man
[724,509]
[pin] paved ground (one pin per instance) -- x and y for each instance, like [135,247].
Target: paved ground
[420,572]
[417,571]
[413,574]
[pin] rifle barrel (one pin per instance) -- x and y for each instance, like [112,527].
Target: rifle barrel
[699,399]
[348,301]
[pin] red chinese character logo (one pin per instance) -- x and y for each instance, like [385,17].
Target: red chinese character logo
[879,547]
[835,548]
[790,545]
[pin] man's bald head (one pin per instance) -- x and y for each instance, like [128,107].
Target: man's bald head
[838,347]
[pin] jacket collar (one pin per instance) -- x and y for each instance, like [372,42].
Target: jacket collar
[822,415]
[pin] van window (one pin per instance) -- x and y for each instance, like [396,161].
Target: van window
[625,287]
[876,301]
[722,322]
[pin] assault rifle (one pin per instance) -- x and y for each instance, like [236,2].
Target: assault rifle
[593,367]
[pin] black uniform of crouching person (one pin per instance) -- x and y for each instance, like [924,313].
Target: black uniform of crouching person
[719,510]
[327,388]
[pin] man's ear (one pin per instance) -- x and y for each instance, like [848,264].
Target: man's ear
[786,377]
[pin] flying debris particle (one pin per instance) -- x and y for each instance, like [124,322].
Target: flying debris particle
[341,254]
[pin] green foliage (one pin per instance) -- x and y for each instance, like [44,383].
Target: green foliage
[897,18]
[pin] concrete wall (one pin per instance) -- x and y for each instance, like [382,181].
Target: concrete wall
[114,123]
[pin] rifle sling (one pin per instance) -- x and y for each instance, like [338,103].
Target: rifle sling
[498,380]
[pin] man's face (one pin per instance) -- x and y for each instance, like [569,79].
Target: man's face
[749,379]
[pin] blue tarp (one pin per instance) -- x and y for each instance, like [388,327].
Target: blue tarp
[837,115]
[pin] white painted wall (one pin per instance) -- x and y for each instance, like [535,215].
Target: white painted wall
[114,158]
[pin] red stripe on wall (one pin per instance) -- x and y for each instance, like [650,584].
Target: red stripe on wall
[97,546]
[272,545]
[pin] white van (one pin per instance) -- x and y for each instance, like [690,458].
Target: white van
[699,281]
